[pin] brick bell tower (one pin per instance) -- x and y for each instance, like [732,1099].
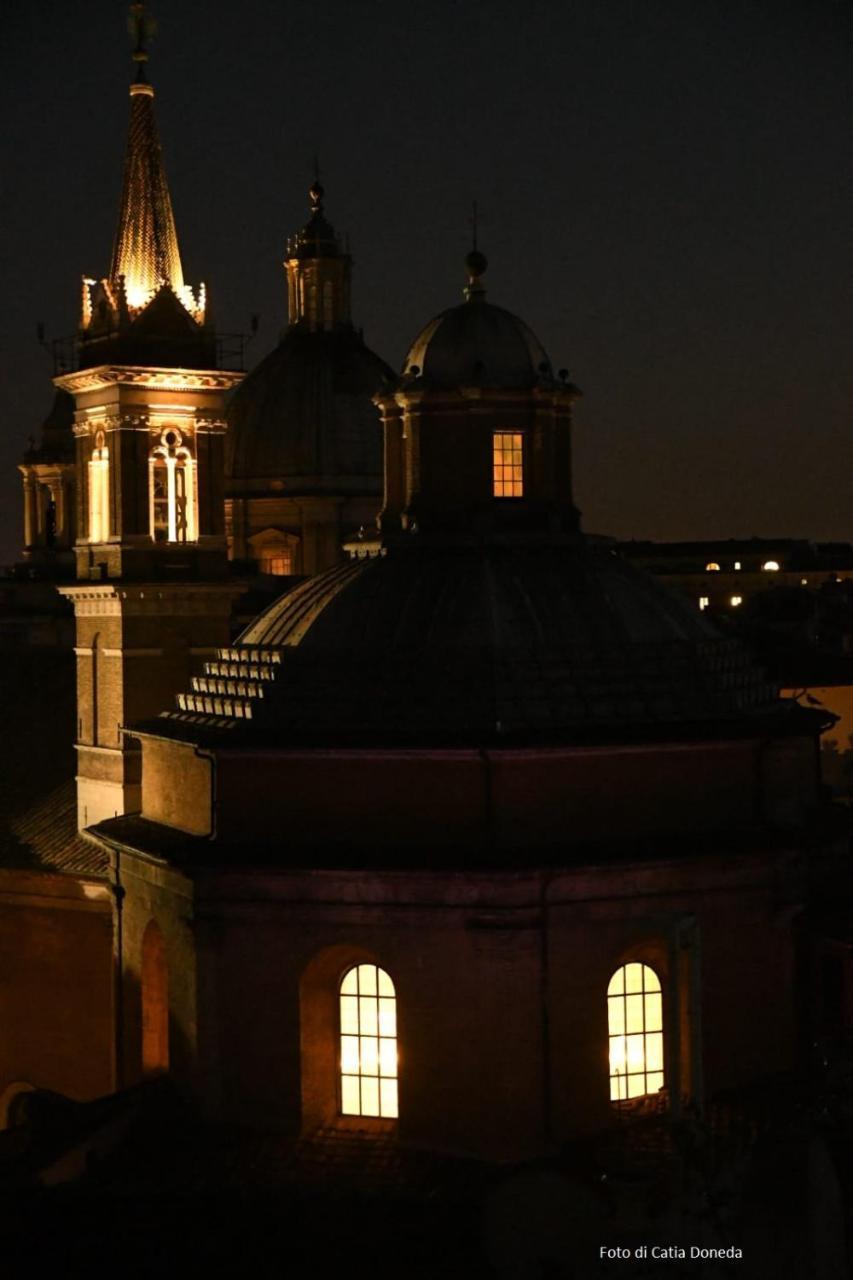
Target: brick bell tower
[152,592]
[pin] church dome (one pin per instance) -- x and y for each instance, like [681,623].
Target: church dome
[469,647]
[306,414]
[477,344]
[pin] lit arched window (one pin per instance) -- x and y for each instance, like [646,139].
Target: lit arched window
[368,1014]
[99,491]
[771,566]
[635,1025]
[172,491]
[712,567]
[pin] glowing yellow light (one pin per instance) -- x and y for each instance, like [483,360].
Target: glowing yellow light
[635,1027]
[737,564]
[99,495]
[704,601]
[507,464]
[771,566]
[368,1062]
[735,601]
[712,567]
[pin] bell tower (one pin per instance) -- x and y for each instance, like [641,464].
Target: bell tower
[318,273]
[152,592]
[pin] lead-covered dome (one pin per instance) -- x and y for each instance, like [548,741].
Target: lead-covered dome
[469,647]
[477,344]
[306,414]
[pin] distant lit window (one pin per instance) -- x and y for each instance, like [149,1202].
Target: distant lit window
[99,492]
[278,562]
[804,582]
[704,601]
[735,601]
[712,567]
[771,566]
[737,564]
[368,1012]
[508,464]
[635,1027]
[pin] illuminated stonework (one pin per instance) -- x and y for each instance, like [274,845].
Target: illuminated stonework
[146,257]
[99,491]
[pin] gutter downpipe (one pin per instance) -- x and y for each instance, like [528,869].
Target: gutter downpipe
[544,1005]
[118,980]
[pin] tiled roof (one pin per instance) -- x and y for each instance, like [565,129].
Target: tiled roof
[46,836]
[38,819]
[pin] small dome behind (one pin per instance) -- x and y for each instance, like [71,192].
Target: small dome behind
[306,415]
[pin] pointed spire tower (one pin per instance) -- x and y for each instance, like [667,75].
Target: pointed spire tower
[149,426]
[135,305]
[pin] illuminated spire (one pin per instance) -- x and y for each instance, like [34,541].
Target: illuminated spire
[145,253]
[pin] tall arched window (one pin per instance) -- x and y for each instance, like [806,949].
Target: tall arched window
[368,1066]
[635,1025]
[99,491]
[172,491]
[155,1001]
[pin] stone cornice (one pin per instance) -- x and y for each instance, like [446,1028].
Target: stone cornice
[158,379]
[482,399]
[150,419]
[103,599]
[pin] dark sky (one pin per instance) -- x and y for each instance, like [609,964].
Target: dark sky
[666,190]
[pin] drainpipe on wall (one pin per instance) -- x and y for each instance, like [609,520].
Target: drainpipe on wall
[544,1007]
[672,1038]
[118,979]
[693,943]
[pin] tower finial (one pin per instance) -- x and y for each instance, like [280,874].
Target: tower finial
[475,262]
[142,28]
[316,191]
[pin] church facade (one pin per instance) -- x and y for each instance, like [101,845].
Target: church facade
[478,836]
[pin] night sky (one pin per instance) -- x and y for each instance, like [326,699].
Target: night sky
[666,194]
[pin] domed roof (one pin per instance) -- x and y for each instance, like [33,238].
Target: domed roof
[477,344]
[306,414]
[452,646]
